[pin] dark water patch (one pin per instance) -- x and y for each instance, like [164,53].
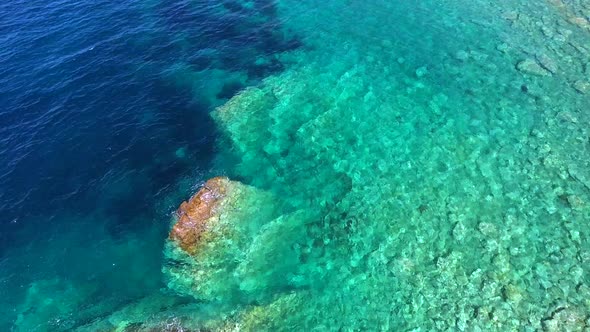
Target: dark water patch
[99,144]
[266,7]
[229,89]
[265,67]
[201,61]
[234,7]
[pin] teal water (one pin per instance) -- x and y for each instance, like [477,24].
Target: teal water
[427,166]
[413,166]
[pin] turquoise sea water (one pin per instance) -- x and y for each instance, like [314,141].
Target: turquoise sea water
[394,166]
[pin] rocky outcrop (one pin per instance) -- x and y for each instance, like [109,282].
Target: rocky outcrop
[196,215]
[212,252]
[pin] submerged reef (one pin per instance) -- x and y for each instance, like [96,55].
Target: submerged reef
[400,176]
[426,183]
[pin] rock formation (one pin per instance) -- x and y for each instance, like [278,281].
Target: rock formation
[196,215]
[215,252]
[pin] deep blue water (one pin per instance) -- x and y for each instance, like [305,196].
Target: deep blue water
[104,129]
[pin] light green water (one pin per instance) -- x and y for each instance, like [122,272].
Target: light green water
[418,166]
[430,160]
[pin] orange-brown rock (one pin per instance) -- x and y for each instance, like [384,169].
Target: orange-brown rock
[196,214]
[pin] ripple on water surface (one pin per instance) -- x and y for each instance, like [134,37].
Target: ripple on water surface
[411,166]
[97,99]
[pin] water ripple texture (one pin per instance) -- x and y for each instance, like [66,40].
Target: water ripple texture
[371,165]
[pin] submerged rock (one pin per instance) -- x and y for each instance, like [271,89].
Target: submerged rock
[503,47]
[49,304]
[510,15]
[462,55]
[565,319]
[582,87]
[231,244]
[547,63]
[422,71]
[532,67]
[208,237]
[158,312]
[196,214]
[579,21]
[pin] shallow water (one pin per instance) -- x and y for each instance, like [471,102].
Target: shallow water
[413,166]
